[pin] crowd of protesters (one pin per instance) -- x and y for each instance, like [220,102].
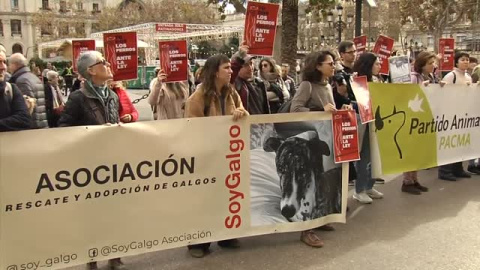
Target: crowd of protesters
[224,87]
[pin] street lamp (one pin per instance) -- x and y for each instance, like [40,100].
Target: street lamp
[339,24]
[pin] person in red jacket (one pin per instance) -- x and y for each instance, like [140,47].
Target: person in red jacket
[127,111]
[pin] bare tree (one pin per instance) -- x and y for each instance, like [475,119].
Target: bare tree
[433,17]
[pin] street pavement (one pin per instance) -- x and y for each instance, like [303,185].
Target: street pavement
[438,230]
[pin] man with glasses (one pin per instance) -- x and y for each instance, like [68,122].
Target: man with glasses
[343,93]
[94,103]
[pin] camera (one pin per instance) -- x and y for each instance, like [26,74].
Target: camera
[339,78]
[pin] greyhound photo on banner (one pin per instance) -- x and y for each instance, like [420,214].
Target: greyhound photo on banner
[168,187]
[293,173]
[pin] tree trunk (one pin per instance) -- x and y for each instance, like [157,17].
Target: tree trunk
[289,33]
[437,34]
[238,5]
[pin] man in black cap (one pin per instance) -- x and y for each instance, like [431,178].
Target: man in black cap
[250,88]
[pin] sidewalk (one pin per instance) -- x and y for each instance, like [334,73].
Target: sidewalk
[439,230]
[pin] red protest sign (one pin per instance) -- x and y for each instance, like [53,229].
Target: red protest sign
[80,46]
[174,60]
[171,27]
[360,44]
[345,136]
[362,95]
[122,53]
[383,48]
[446,47]
[260,28]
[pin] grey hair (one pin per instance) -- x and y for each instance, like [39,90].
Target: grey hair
[51,75]
[18,59]
[85,60]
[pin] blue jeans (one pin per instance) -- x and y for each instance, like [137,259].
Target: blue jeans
[364,171]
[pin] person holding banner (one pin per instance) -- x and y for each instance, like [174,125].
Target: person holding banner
[167,99]
[458,75]
[422,73]
[94,103]
[215,96]
[367,65]
[127,112]
[277,90]
[315,94]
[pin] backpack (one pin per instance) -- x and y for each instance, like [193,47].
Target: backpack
[29,102]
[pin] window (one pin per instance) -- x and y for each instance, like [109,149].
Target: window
[16,27]
[95,27]
[63,6]
[95,7]
[63,30]
[46,30]
[80,29]
[430,42]
[460,38]
[45,4]
[79,5]
[17,48]
[1,28]
[14,4]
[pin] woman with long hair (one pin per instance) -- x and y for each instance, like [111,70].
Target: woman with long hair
[167,99]
[277,90]
[215,97]
[315,94]
[422,73]
[366,65]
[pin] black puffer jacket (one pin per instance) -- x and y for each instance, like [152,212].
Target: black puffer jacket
[30,85]
[85,107]
[13,111]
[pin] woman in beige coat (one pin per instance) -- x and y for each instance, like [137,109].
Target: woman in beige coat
[167,99]
[215,97]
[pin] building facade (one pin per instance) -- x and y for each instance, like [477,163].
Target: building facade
[20,31]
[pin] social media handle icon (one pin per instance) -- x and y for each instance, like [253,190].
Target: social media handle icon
[93,253]
[12,267]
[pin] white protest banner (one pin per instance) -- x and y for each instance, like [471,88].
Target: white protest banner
[171,183]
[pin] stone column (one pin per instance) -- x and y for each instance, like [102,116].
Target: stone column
[7,33]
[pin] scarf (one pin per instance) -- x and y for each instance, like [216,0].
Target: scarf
[100,91]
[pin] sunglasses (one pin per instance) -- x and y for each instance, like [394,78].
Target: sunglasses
[329,63]
[265,65]
[103,62]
